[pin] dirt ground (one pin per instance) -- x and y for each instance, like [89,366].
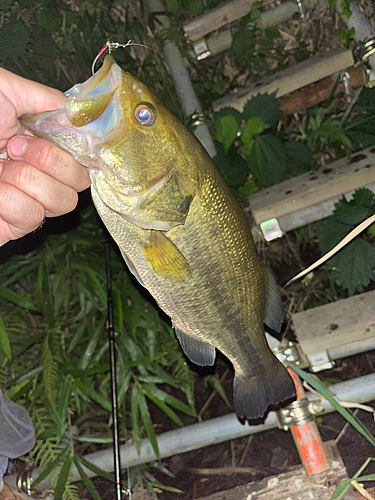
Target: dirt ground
[267,453]
[213,469]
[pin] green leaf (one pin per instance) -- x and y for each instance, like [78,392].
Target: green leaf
[145,414]
[14,39]
[267,160]
[226,131]
[49,19]
[341,490]
[356,210]
[4,340]
[17,299]
[50,369]
[52,466]
[232,166]
[253,127]
[353,267]
[361,140]
[364,197]
[164,408]
[248,188]
[87,483]
[349,213]
[172,489]
[318,385]
[218,387]
[272,33]
[170,400]
[265,107]
[231,112]
[92,394]
[172,6]
[97,470]
[299,158]
[193,6]
[5,4]
[331,232]
[134,412]
[63,478]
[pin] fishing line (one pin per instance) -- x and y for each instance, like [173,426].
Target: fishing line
[112,362]
[110,46]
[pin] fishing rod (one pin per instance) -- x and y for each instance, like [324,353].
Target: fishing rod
[112,363]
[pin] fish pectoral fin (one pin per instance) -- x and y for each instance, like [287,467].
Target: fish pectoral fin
[131,267]
[168,201]
[274,312]
[198,352]
[165,258]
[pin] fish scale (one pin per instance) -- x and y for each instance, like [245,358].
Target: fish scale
[180,229]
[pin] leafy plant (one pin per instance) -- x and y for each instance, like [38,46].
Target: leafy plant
[344,486]
[353,266]
[248,145]
[53,310]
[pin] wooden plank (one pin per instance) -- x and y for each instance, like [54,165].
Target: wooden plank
[218,17]
[291,79]
[317,92]
[293,485]
[311,196]
[339,327]
[219,41]
[9,493]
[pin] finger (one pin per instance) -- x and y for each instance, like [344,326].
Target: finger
[28,96]
[57,198]
[19,96]
[49,159]
[19,213]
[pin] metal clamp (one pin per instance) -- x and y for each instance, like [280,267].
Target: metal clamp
[297,413]
[320,360]
[201,50]
[271,229]
[364,52]
[291,354]
[345,76]
[196,119]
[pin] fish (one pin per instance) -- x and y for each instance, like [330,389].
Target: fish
[180,229]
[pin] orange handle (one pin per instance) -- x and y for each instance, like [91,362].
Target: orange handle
[307,438]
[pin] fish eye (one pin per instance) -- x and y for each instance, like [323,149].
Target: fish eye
[144,114]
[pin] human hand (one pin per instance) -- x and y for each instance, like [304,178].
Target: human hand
[39,180]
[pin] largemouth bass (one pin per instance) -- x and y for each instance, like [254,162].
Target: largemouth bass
[180,230]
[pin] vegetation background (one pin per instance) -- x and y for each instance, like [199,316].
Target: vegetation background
[53,345]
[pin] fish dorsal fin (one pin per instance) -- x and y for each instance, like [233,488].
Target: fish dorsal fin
[198,352]
[274,312]
[131,267]
[165,258]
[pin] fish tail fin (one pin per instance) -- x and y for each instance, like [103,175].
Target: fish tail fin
[254,395]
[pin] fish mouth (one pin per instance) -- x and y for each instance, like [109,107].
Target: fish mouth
[91,115]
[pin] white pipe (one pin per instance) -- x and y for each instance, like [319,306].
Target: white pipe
[213,431]
[185,92]
[364,30]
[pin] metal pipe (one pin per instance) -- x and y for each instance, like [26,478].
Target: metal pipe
[213,431]
[184,88]
[364,32]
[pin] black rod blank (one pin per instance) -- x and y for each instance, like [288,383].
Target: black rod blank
[112,362]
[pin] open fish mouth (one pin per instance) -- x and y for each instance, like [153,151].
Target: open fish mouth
[91,114]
